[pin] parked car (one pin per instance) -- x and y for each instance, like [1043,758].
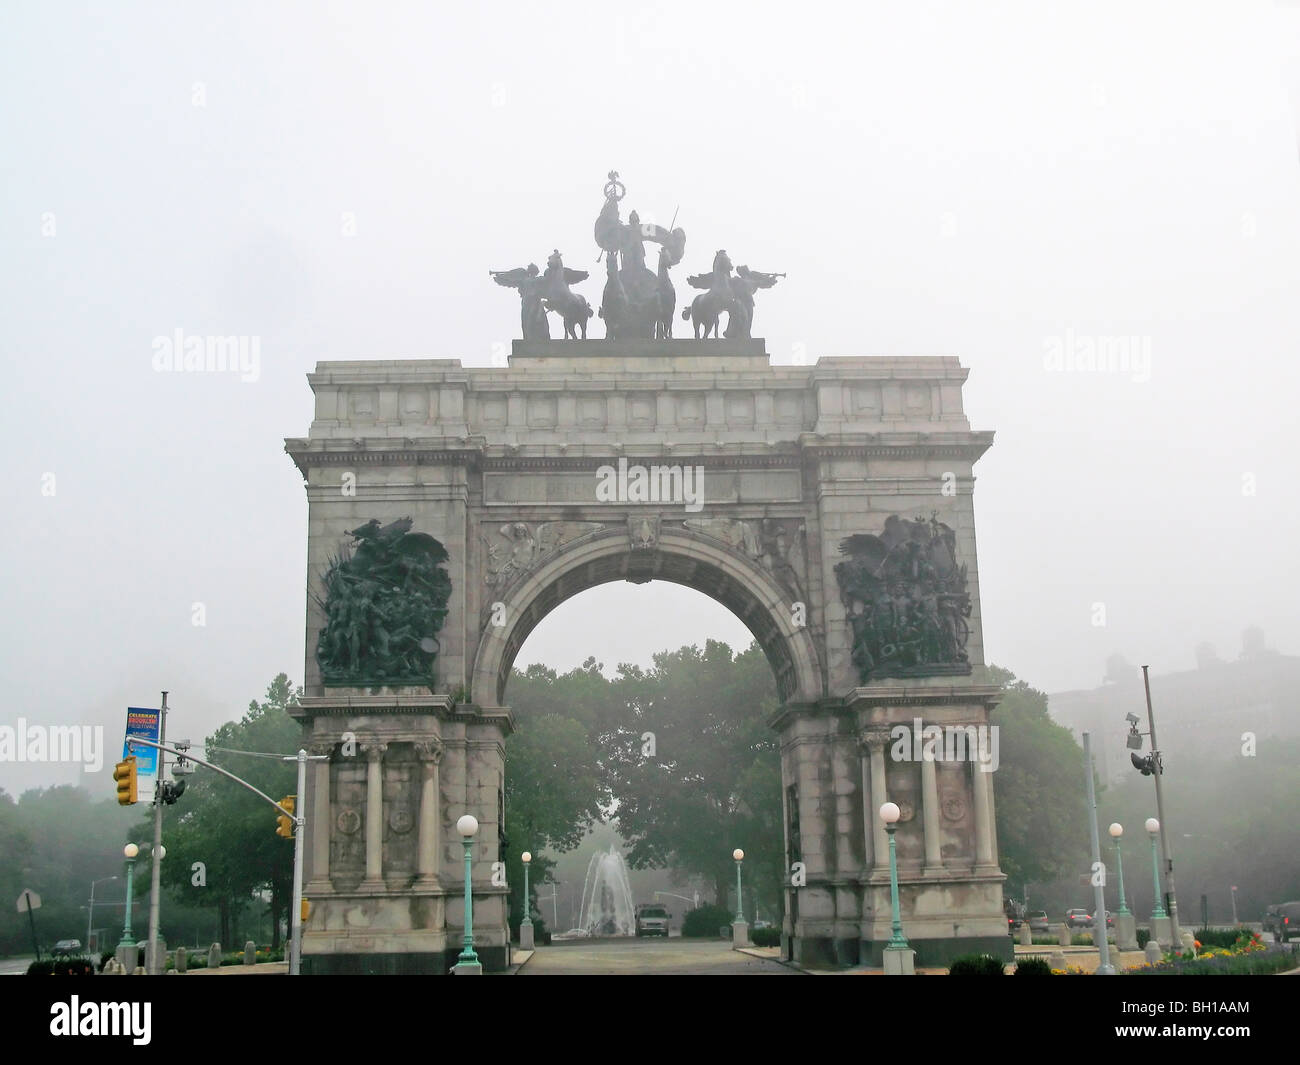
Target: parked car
[651,920]
[1283,920]
[1078,918]
[1038,921]
[67,946]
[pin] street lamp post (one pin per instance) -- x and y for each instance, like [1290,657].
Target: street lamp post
[467,964]
[1159,919]
[126,947]
[526,925]
[739,929]
[899,958]
[90,919]
[1235,922]
[1125,921]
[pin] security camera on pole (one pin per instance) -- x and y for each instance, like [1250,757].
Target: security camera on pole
[1153,765]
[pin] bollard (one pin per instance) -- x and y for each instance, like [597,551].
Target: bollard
[214,956]
[1056,960]
[250,952]
[1153,952]
[182,960]
[1063,935]
[1026,936]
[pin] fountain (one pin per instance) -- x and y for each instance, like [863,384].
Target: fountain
[607,908]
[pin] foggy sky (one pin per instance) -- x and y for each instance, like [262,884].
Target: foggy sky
[991,181]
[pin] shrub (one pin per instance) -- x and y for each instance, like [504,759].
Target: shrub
[1143,937]
[1032,967]
[765,937]
[1217,937]
[704,921]
[103,959]
[40,968]
[976,965]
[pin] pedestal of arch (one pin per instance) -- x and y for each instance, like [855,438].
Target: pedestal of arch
[384,865]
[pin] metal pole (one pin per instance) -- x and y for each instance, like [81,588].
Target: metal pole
[90,920]
[128,937]
[740,909]
[467,955]
[1234,906]
[153,965]
[1174,930]
[528,910]
[300,825]
[897,941]
[1119,868]
[1159,910]
[31,920]
[1098,883]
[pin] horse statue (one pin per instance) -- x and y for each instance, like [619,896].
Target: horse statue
[740,323]
[531,287]
[703,311]
[634,296]
[574,309]
[613,301]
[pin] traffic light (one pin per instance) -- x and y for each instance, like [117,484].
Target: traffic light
[172,790]
[285,824]
[1147,765]
[124,776]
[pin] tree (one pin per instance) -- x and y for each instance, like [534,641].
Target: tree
[1042,824]
[229,829]
[556,786]
[696,769]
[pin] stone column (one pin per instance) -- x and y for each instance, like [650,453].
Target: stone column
[320,821]
[876,740]
[983,825]
[430,754]
[930,816]
[374,816]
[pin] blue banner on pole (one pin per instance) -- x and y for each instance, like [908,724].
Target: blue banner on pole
[145,725]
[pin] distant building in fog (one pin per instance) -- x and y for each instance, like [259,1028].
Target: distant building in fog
[1199,711]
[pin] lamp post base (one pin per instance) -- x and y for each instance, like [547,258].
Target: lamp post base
[1126,931]
[739,934]
[1162,932]
[467,968]
[899,961]
[526,935]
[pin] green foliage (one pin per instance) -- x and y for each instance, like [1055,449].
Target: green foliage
[1274,959]
[228,828]
[976,965]
[1143,937]
[765,937]
[62,838]
[62,967]
[1251,840]
[713,782]
[1032,967]
[1042,827]
[705,921]
[1218,937]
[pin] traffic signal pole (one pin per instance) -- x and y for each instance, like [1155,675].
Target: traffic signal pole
[1174,931]
[154,964]
[300,824]
[299,820]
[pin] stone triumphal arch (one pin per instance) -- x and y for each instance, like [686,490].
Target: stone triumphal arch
[828,506]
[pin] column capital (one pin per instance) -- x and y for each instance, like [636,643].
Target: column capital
[374,752]
[873,739]
[321,749]
[430,750]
